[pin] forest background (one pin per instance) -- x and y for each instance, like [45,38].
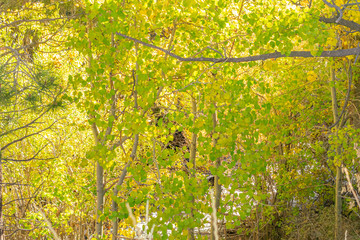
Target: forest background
[193,119]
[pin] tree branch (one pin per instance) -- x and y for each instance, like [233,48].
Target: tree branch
[338,10]
[29,159]
[120,142]
[303,54]
[26,125]
[346,100]
[18,22]
[346,23]
[22,138]
[48,223]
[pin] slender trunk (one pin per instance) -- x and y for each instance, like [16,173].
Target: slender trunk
[2,225]
[99,198]
[114,206]
[99,177]
[193,163]
[217,186]
[99,168]
[155,161]
[338,165]
[100,190]
[99,187]
[214,227]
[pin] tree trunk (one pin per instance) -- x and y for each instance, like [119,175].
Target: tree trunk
[2,225]
[99,187]
[338,165]
[114,207]
[193,163]
[217,186]
[99,198]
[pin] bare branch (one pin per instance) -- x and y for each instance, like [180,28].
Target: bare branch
[29,159]
[13,184]
[48,223]
[26,125]
[351,187]
[338,9]
[18,22]
[346,99]
[303,54]
[216,51]
[24,137]
[7,203]
[118,143]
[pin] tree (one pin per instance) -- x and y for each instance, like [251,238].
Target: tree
[173,94]
[287,52]
[31,94]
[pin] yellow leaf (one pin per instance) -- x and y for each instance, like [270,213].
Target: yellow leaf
[199,123]
[227,96]
[216,86]
[311,76]
[331,42]
[268,65]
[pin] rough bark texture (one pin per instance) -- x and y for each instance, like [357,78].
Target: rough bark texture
[346,23]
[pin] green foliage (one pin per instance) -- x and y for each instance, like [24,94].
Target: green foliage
[261,127]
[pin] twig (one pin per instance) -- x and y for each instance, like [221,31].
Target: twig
[346,100]
[49,225]
[22,138]
[351,187]
[18,22]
